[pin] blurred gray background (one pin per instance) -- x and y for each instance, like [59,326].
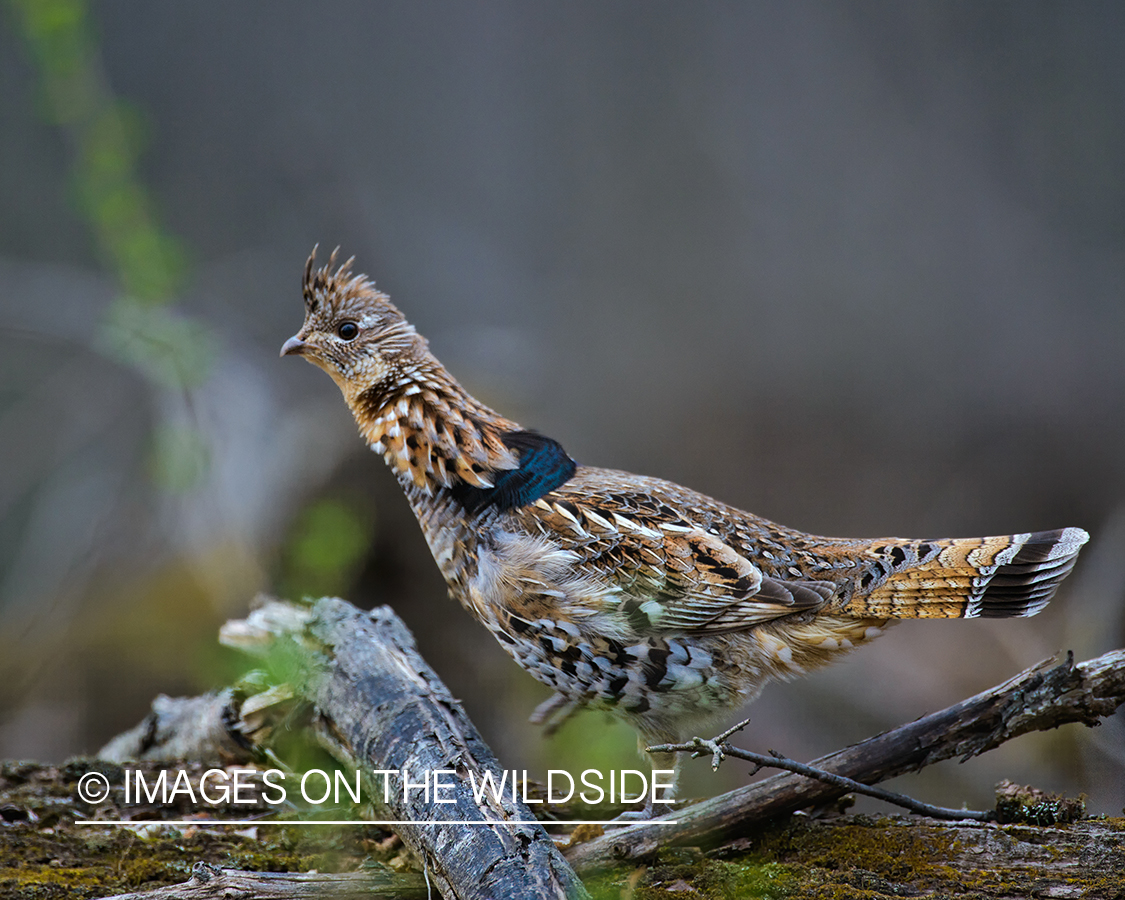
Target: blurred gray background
[856,267]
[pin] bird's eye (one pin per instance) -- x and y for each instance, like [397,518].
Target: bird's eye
[347,330]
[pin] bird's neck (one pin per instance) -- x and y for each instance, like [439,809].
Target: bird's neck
[432,433]
[459,462]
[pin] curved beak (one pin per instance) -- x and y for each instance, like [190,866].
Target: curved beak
[293,347]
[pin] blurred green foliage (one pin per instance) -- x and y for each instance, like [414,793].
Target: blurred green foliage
[172,350]
[179,457]
[106,136]
[325,549]
[107,139]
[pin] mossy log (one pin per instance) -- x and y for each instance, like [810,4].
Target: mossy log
[210,882]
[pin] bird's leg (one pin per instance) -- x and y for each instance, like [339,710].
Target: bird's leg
[660,760]
[656,807]
[668,794]
[553,712]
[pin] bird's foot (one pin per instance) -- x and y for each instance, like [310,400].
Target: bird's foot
[650,811]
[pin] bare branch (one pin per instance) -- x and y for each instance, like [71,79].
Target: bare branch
[1041,698]
[719,749]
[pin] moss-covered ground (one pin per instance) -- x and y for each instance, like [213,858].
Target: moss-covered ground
[45,856]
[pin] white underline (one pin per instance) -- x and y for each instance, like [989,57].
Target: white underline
[205,823]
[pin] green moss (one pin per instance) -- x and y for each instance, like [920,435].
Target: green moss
[686,873]
[853,857]
[44,856]
[863,857]
[74,863]
[867,845]
[1020,804]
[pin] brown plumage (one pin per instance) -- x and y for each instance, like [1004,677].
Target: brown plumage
[620,591]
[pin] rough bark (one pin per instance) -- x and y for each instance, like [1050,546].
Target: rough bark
[860,856]
[379,706]
[181,728]
[850,856]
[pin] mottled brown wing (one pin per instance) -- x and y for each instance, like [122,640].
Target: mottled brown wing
[673,576]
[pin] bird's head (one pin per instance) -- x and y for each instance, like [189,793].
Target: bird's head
[353,331]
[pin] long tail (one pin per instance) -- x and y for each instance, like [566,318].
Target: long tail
[1011,575]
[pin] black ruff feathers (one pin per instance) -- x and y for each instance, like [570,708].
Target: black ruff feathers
[544,466]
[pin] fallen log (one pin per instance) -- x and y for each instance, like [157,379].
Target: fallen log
[379,707]
[182,728]
[1042,697]
[790,856]
[209,882]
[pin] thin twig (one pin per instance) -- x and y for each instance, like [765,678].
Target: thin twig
[719,749]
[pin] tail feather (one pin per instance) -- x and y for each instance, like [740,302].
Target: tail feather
[998,577]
